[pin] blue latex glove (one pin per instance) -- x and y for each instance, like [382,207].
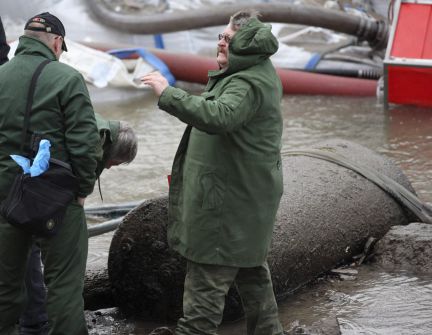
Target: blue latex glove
[23,162]
[41,161]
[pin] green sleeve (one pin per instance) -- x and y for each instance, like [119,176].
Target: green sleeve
[229,111]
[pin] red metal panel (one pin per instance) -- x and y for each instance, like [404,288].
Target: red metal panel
[409,85]
[413,35]
[427,50]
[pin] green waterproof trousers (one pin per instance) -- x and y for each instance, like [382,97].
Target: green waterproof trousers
[64,256]
[204,299]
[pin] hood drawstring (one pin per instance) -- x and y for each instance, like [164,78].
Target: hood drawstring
[100,190]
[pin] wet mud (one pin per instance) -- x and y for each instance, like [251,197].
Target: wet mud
[108,321]
[407,248]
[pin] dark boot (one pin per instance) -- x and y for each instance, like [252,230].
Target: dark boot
[162,331]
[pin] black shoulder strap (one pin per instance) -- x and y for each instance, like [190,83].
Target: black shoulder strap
[30,101]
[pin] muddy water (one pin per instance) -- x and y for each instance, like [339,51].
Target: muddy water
[376,302]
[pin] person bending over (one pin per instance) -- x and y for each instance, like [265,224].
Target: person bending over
[119,146]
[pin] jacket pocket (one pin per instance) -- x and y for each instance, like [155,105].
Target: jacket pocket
[213,188]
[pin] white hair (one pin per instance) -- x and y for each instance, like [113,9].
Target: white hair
[124,148]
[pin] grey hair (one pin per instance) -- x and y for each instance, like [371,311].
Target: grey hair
[124,149]
[42,36]
[241,18]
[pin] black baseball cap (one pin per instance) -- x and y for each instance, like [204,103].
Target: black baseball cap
[52,25]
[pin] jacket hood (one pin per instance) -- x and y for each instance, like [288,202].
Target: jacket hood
[108,132]
[108,129]
[31,46]
[252,44]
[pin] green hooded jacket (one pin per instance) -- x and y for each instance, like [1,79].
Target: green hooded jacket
[226,180]
[62,113]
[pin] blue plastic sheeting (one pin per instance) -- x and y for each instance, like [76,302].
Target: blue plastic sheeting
[159,43]
[153,60]
[313,62]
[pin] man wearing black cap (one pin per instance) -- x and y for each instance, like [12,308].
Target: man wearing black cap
[62,113]
[48,23]
[34,317]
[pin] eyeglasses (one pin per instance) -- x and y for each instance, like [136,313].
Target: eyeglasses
[225,37]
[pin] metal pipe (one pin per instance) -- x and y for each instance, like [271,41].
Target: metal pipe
[105,227]
[373,31]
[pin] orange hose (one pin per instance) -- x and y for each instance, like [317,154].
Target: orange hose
[193,68]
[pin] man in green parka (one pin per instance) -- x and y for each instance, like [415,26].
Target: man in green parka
[62,113]
[226,180]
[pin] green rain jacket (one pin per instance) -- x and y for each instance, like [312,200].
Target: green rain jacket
[62,112]
[226,180]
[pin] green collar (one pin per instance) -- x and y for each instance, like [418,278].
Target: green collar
[31,46]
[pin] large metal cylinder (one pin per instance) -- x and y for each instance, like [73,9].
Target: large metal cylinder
[326,215]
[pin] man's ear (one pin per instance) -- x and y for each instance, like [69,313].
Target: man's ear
[57,46]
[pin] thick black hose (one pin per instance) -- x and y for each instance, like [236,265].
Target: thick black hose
[375,32]
[371,73]
[114,210]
